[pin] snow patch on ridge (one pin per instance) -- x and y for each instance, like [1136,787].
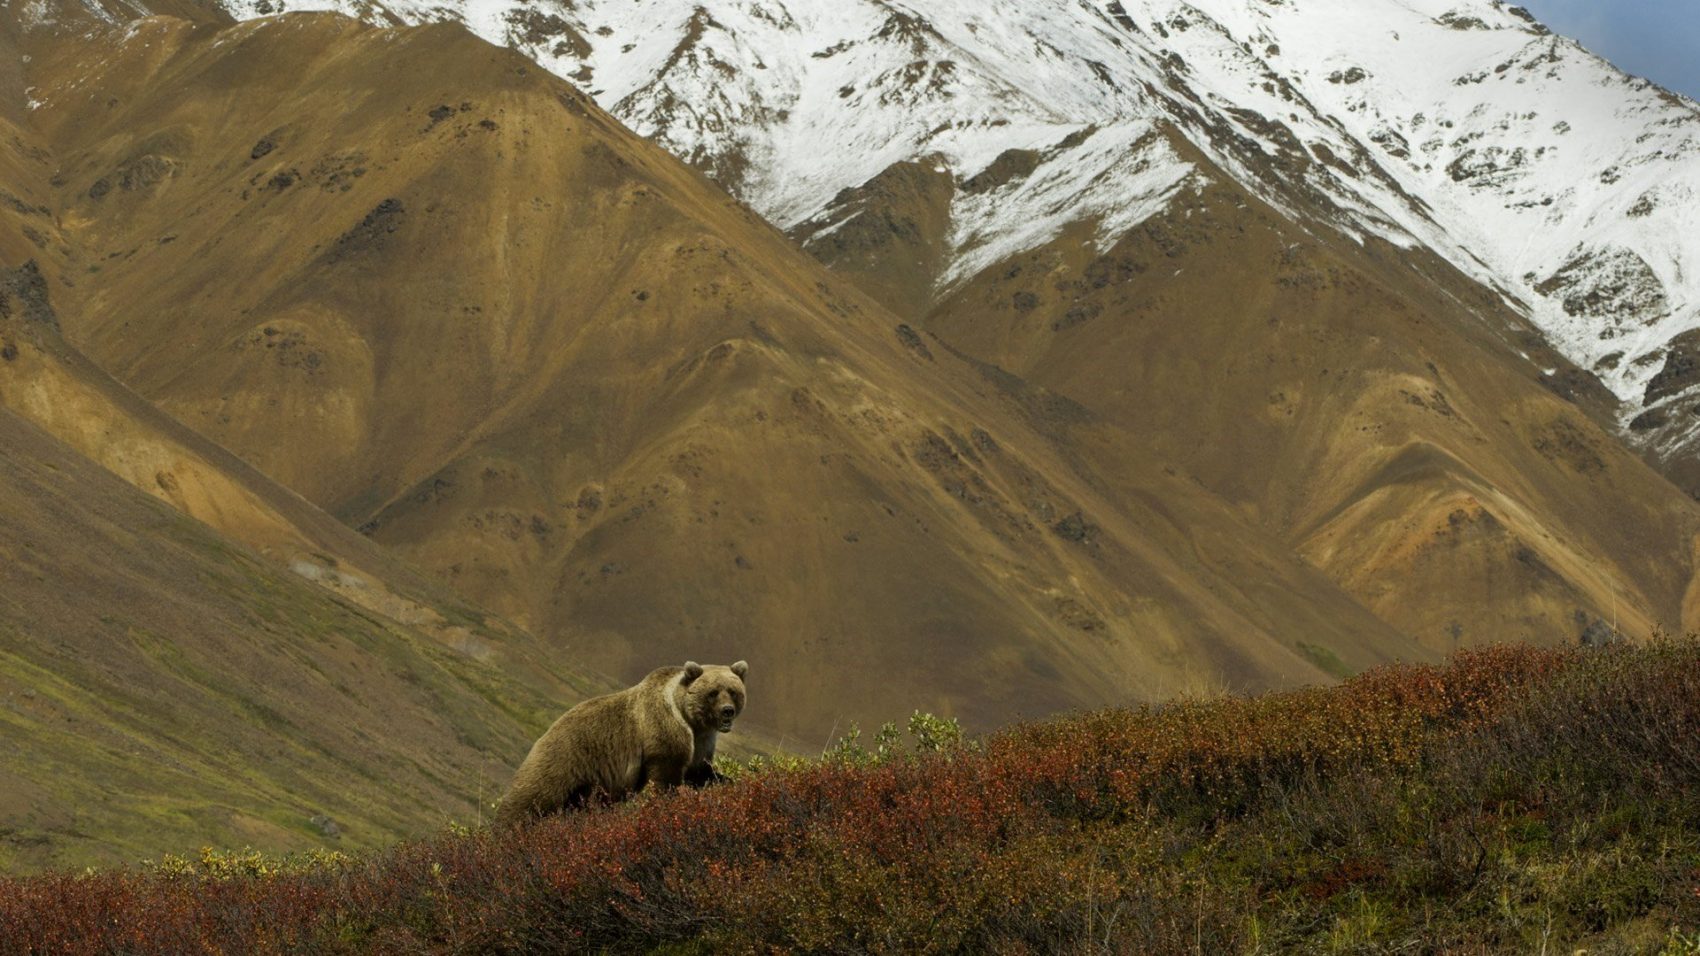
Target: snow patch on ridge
[1570,183]
[1126,174]
[1461,126]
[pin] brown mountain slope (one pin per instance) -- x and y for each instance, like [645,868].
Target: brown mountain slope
[46,381]
[162,685]
[439,293]
[1381,413]
[162,688]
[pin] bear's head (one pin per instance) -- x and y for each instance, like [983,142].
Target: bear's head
[713,696]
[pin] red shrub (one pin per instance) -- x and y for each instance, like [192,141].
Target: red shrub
[1025,842]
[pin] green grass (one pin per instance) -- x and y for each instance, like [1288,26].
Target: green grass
[134,741]
[1325,660]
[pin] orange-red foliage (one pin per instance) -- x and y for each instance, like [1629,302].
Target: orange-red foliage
[1032,839]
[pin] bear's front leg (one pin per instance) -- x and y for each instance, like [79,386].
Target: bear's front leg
[665,773]
[703,774]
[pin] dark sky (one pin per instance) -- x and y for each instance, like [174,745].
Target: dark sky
[1657,39]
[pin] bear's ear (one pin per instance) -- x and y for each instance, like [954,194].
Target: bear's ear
[741,668]
[693,670]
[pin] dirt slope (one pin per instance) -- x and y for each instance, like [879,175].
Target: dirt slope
[46,380]
[1384,415]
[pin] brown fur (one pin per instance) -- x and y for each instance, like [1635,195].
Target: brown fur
[610,747]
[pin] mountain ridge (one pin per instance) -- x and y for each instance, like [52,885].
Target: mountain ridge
[1526,162]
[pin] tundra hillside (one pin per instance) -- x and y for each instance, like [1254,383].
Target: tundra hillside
[1513,800]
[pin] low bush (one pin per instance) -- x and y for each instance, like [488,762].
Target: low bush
[1514,800]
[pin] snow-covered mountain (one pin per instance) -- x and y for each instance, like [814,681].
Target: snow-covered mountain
[1463,126]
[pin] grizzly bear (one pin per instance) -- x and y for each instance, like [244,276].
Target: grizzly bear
[661,731]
